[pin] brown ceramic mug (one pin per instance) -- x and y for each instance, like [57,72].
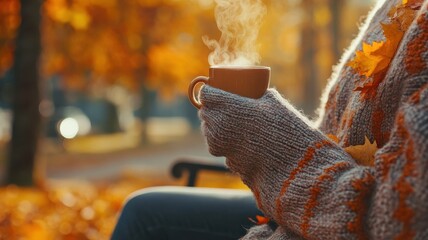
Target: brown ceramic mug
[246,81]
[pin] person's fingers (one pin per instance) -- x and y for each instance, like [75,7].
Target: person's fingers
[226,117]
[212,96]
[213,135]
[216,98]
[271,94]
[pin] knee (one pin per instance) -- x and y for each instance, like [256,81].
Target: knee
[137,215]
[142,202]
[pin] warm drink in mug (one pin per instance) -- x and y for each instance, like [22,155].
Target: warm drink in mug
[246,81]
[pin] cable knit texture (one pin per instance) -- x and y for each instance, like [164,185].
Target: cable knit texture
[309,185]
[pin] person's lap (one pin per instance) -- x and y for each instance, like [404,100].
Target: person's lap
[186,213]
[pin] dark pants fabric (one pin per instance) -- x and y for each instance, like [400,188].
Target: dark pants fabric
[186,213]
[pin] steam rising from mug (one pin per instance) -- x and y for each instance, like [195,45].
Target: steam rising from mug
[239,22]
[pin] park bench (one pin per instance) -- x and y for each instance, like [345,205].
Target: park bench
[193,166]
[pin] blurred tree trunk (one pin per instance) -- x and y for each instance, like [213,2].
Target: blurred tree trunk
[336,7]
[145,112]
[307,59]
[310,35]
[26,97]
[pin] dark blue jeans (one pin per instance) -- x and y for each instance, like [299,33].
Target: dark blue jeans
[186,213]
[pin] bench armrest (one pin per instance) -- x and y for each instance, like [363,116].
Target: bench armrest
[193,166]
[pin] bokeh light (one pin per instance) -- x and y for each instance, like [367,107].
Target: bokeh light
[69,128]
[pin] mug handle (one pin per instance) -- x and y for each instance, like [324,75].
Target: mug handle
[191,91]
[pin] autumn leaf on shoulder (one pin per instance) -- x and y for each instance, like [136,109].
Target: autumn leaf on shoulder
[373,60]
[404,14]
[365,62]
[393,35]
[363,154]
[414,4]
[376,57]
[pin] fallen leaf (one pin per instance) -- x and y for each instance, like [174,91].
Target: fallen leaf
[333,137]
[393,35]
[365,62]
[368,88]
[260,220]
[35,231]
[373,60]
[414,4]
[376,57]
[403,15]
[363,154]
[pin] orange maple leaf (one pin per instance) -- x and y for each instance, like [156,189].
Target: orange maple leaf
[365,62]
[374,59]
[393,35]
[363,154]
[404,14]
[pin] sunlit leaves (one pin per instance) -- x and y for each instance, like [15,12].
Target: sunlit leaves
[170,68]
[87,42]
[79,210]
[374,59]
[71,210]
[366,62]
[9,22]
[74,14]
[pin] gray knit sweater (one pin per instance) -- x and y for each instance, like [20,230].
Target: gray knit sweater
[307,183]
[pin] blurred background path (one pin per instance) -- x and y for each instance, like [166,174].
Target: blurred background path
[145,160]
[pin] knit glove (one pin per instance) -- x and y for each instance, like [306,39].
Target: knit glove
[255,134]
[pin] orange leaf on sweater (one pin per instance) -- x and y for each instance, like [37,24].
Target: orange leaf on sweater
[393,35]
[365,62]
[372,62]
[376,57]
[404,14]
[333,137]
[363,154]
[414,4]
[260,220]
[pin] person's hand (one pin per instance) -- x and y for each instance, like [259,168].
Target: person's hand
[251,132]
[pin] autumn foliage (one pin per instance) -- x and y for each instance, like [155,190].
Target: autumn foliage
[77,210]
[101,43]
[65,210]
[373,60]
[9,22]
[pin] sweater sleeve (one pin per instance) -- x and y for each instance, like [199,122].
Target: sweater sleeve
[326,195]
[308,184]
